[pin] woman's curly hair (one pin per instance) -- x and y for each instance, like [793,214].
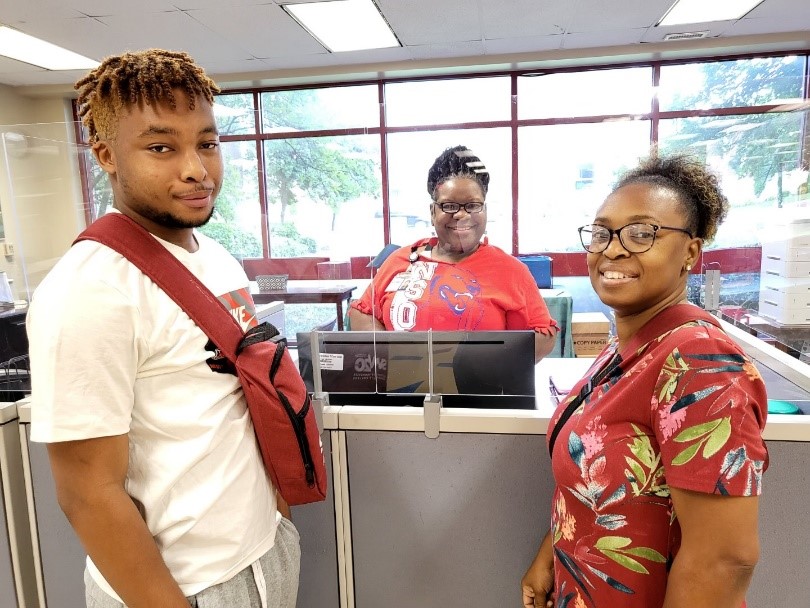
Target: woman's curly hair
[698,188]
[126,80]
[458,161]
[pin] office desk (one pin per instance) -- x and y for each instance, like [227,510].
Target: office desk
[308,292]
[560,305]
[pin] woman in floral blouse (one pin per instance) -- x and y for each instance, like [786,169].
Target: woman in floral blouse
[658,470]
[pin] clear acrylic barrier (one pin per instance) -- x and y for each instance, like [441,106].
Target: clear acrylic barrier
[468,369]
[40,194]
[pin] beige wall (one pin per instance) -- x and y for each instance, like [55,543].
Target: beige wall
[40,190]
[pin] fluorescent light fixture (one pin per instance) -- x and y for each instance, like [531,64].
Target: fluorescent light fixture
[700,11]
[344,25]
[25,48]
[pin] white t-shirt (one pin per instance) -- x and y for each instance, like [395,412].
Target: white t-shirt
[112,354]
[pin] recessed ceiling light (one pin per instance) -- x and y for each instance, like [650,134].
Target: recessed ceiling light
[700,11]
[344,25]
[25,48]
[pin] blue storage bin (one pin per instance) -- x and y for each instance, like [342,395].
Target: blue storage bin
[540,267]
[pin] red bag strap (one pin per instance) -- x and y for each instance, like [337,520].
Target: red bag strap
[122,234]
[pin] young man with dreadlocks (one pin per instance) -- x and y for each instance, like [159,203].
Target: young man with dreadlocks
[153,454]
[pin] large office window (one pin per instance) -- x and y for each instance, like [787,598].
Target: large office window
[323,194]
[755,135]
[442,102]
[410,155]
[727,84]
[566,171]
[236,222]
[759,160]
[338,171]
[585,93]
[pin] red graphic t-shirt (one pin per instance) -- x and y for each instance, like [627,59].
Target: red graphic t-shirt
[489,290]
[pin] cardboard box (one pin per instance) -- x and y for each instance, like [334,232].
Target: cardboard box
[590,332]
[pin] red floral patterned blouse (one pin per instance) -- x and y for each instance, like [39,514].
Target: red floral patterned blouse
[686,410]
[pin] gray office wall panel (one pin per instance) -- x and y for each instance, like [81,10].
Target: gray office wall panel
[316,524]
[17,575]
[62,555]
[448,522]
[782,577]
[8,595]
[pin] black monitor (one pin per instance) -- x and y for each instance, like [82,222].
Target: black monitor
[490,369]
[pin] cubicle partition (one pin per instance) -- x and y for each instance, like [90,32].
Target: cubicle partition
[452,521]
[17,581]
[455,519]
[59,557]
[316,523]
[55,572]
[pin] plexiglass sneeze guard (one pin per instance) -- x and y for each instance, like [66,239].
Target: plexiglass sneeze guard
[41,200]
[468,369]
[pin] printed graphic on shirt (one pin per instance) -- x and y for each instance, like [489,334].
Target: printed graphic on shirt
[403,307]
[440,290]
[458,289]
[241,306]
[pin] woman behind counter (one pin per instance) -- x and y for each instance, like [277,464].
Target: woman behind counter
[455,280]
[658,472]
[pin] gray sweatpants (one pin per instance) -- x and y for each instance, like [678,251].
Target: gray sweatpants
[279,568]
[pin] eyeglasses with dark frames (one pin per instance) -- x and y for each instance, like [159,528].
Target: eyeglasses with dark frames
[451,208]
[635,238]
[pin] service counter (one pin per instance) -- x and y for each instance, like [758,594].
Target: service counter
[454,518]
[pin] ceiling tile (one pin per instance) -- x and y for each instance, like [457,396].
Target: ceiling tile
[585,40]
[526,44]
[12,66]
[38,76]
[85,36]
[176,31]
[369,56]
[249,27]
[416,22]
[524,18]
[597,15]
[750,26]
[471,48]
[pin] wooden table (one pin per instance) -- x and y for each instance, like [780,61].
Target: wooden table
[309,292]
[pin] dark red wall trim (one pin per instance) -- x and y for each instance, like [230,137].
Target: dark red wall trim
[738,259]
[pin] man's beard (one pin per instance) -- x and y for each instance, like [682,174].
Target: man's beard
[167,220]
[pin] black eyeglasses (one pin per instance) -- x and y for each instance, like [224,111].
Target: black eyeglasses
[452,208]
[635,238]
